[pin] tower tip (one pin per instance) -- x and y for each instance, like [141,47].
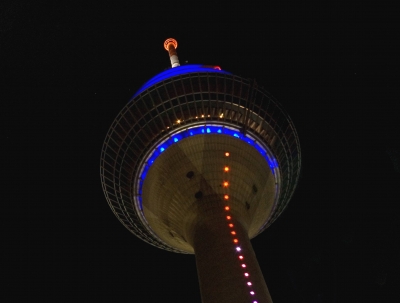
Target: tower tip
[170,45]
[170,41]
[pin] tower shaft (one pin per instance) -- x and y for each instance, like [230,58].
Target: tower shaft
[221,274]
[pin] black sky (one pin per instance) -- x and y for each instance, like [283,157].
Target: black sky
[66,72]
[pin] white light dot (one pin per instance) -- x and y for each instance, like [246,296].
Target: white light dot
[238,248]
[249,283]
[243,265]
[252,293]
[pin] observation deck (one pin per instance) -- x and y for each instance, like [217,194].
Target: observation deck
[164,154]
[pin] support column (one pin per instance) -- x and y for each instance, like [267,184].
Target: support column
[222,277]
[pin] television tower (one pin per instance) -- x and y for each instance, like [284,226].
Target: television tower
[199,162]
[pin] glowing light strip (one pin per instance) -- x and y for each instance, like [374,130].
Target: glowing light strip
[233,233]
[201,130]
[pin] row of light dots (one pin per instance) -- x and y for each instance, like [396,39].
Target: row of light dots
[179,120]
[233,233]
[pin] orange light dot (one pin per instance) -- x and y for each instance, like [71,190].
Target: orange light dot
[226,168]
[233,232]
[235,240]
[226,154]
[226,197]
[226,207]
[226,184]
[231,225]
[228,217]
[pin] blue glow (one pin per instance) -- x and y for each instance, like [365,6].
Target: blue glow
[180,70]
[199,130]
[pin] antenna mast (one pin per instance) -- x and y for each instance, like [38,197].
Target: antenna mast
[171,45]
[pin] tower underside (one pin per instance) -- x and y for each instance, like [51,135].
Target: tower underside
[191,171]
[201,161]
[165,105]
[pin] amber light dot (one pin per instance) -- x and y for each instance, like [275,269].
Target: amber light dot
[235,240]
[233,232]
[226,154]
[226,168]
[226,197]
[226,207]
[226,184]
[228,217]
[230,225]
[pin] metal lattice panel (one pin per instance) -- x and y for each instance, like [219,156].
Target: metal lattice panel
[192,98]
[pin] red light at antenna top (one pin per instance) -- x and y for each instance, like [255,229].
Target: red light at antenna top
[170,41]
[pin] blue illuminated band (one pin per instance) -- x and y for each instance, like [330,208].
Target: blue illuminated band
[200,130]
[180,70]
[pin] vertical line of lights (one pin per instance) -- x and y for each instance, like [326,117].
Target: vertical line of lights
[233,233]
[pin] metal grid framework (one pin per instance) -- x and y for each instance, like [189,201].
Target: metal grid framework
[189,98]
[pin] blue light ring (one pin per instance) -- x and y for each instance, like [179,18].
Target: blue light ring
[201,128]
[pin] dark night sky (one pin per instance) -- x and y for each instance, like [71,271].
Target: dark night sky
[66,72]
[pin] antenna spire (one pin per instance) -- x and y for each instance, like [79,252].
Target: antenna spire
[171,45]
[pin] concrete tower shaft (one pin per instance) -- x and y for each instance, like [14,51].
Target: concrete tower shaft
[222,277]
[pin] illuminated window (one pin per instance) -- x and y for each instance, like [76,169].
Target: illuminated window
[235,240]
[226,168]
[249,283]
[243,265]
[226,154]
[246,274]
[226,184]
[230,225]
[241,257]
[226,197]
[233,232]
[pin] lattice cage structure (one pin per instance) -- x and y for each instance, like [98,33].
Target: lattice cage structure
[183,100]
